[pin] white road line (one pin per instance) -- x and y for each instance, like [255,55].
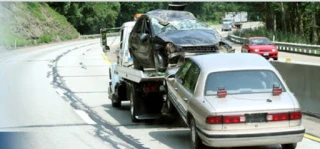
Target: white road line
[85,117]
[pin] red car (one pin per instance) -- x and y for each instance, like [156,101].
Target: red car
[260,45]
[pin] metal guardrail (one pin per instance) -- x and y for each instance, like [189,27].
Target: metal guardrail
[98,35]
[284,46]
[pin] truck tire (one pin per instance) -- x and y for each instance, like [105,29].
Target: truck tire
[115,103]
[133,101]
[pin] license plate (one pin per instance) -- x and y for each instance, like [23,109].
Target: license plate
[265,54]
[254,118]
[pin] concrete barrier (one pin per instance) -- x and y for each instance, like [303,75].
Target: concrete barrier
[304,82]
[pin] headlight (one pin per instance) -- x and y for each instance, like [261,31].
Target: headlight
[274,50]
[256,50]
[170,47]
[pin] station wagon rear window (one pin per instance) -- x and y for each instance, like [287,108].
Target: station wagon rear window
[242,82]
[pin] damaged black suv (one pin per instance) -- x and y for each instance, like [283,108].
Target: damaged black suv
[160,38]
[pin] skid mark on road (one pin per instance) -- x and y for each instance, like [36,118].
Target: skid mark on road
[104,130]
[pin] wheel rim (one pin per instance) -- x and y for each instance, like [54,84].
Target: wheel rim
[168,104]
[193,133]
[131,105]
[156,62]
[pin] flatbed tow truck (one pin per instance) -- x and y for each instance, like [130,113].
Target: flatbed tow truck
[144,89]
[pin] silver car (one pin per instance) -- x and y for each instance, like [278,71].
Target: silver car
[231,100]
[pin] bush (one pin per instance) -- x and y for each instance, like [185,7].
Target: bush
[45,39]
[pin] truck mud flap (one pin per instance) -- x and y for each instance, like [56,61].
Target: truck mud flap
[149,106]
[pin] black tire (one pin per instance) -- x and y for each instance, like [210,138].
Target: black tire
[133,106]
[289,146]
[195,139]
[275,59]
[160,62]
[115,103]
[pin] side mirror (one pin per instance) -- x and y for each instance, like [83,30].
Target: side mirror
[144,37]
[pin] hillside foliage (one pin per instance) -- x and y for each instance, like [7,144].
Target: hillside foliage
[32,23]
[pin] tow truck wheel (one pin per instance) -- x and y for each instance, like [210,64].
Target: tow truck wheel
[115,102]
[132,105]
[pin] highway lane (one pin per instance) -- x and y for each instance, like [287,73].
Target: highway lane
[60,94]
[29,103]
[151,134]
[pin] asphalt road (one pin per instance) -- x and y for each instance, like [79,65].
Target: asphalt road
[58,93]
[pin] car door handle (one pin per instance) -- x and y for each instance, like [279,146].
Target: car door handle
[175,89]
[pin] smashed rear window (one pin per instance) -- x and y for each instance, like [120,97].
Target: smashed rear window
[242,82]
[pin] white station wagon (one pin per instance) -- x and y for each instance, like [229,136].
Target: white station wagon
[231,100]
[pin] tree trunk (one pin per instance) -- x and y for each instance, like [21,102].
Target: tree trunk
[283,18]
[274,22]
[314,26]
[268,16]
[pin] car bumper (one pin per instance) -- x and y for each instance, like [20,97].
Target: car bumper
[251,138]
[268,54]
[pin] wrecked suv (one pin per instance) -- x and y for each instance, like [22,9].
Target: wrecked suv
[160,38]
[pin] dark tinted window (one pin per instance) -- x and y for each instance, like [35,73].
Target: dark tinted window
[242,82]
[260,41]
[182,71]
[192,78]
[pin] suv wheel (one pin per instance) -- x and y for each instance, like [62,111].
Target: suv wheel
[159,62]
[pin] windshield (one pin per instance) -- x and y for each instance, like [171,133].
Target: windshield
[242,82]
[260,41]
[226,21]
[185,24]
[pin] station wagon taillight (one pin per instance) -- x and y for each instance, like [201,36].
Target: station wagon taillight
[295,115]
[284,116]
[234,119]
[277,116]
[226,119]
[214,120]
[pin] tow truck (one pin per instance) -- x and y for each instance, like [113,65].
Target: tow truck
[144,89]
